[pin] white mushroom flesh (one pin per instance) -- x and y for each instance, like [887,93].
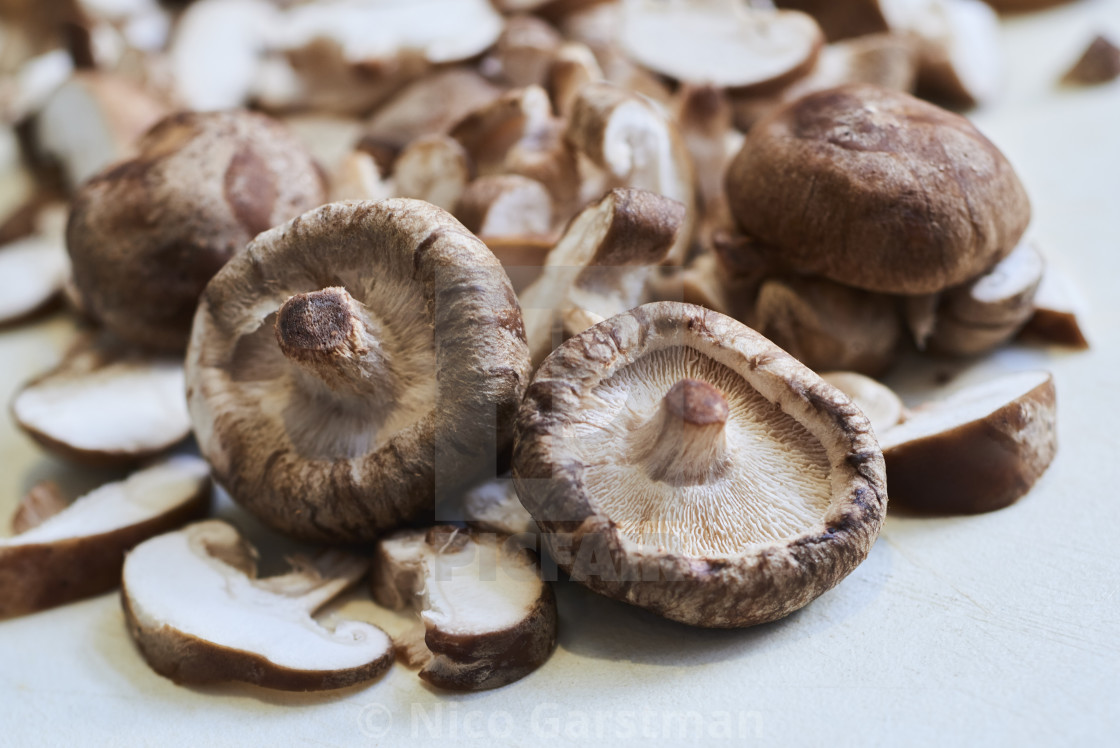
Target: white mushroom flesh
[177,580]
[143,496]
[32,271]
[770,482]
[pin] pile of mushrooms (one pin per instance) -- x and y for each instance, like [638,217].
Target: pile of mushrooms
[465,286]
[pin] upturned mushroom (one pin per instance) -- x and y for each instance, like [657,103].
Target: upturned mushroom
[977,450]
[105,404]
[877,190]
[354,363]
[600,266]
[488,618]
[64,553]
[199,614]
[147,234]
[677,460]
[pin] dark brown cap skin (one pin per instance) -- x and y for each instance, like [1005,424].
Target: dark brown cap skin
[145,235]
[878,190]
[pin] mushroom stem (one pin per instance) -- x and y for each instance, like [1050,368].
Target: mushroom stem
[332,337]
[686,441]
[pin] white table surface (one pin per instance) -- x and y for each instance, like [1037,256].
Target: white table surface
[1000,629]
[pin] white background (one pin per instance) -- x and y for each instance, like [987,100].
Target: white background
[997,629]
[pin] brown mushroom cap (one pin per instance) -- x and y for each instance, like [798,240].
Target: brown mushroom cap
[404,359]
[147,234]
[677,460]
[878,190]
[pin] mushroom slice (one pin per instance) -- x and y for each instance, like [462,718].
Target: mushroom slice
[977,450]
[434,168]
[372,351]
[1057,311]
[42,502]
[637,145]
[828,326]
[489,618]
[843,183]
[77,551]
[505,205]
[720,42]
[677,460]
[357,178]
[524,51]
[33,271]
[959,51]
[879,403]
[989,311]
[92,120]
[600,265]
[105,404]
[1099,63]
[493,506]
[198,614]
[573,66]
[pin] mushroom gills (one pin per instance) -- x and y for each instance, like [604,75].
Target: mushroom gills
[489,617]
[199,615]
[712,466]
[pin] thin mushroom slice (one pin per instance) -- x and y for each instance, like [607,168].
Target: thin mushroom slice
[980,449]
[1099,63]
[1058,311]
[677,460]
[106,404]
[367,350]
[33,271]
[198,614]
[959,50]
[69,553]
[434,168]
[720,42]
[882,406]
[489,618]
[989,311]
[600,266]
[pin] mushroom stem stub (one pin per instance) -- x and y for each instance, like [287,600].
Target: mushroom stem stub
[685,442]
[329,335]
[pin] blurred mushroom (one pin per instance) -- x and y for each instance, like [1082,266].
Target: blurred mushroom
[199,614]
[523,53]
[1056,319]
[488,618]
[433,168]
[493,506]
[878,402]
[676,460]
[372,351]
[600,266]
[506,205]
[76,552]
[214,180]
[1099,63]
[34,268]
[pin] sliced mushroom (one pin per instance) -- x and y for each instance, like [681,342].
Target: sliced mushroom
[677,460]
[638,146]
[506,205]
[357,177]
[573,66]
[882,406]
[493,506]
[989,311]
[433,168]
[600,266]
[105,404]
[828,326]
[76,552]
[372,351]
[488,617]
[215,180]
[722,43]
[198,614]
[522,257]
[878,190]
[523,52]
[491,131]
[40,503]
[93,120]
[329,138]
[1057,313]
[958,52]
[34,269]
[978,450]
[1099,63]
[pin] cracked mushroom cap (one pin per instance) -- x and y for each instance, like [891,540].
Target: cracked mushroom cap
[677,460]
[878,190]
[198,614]
[352,364]
[145,235]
